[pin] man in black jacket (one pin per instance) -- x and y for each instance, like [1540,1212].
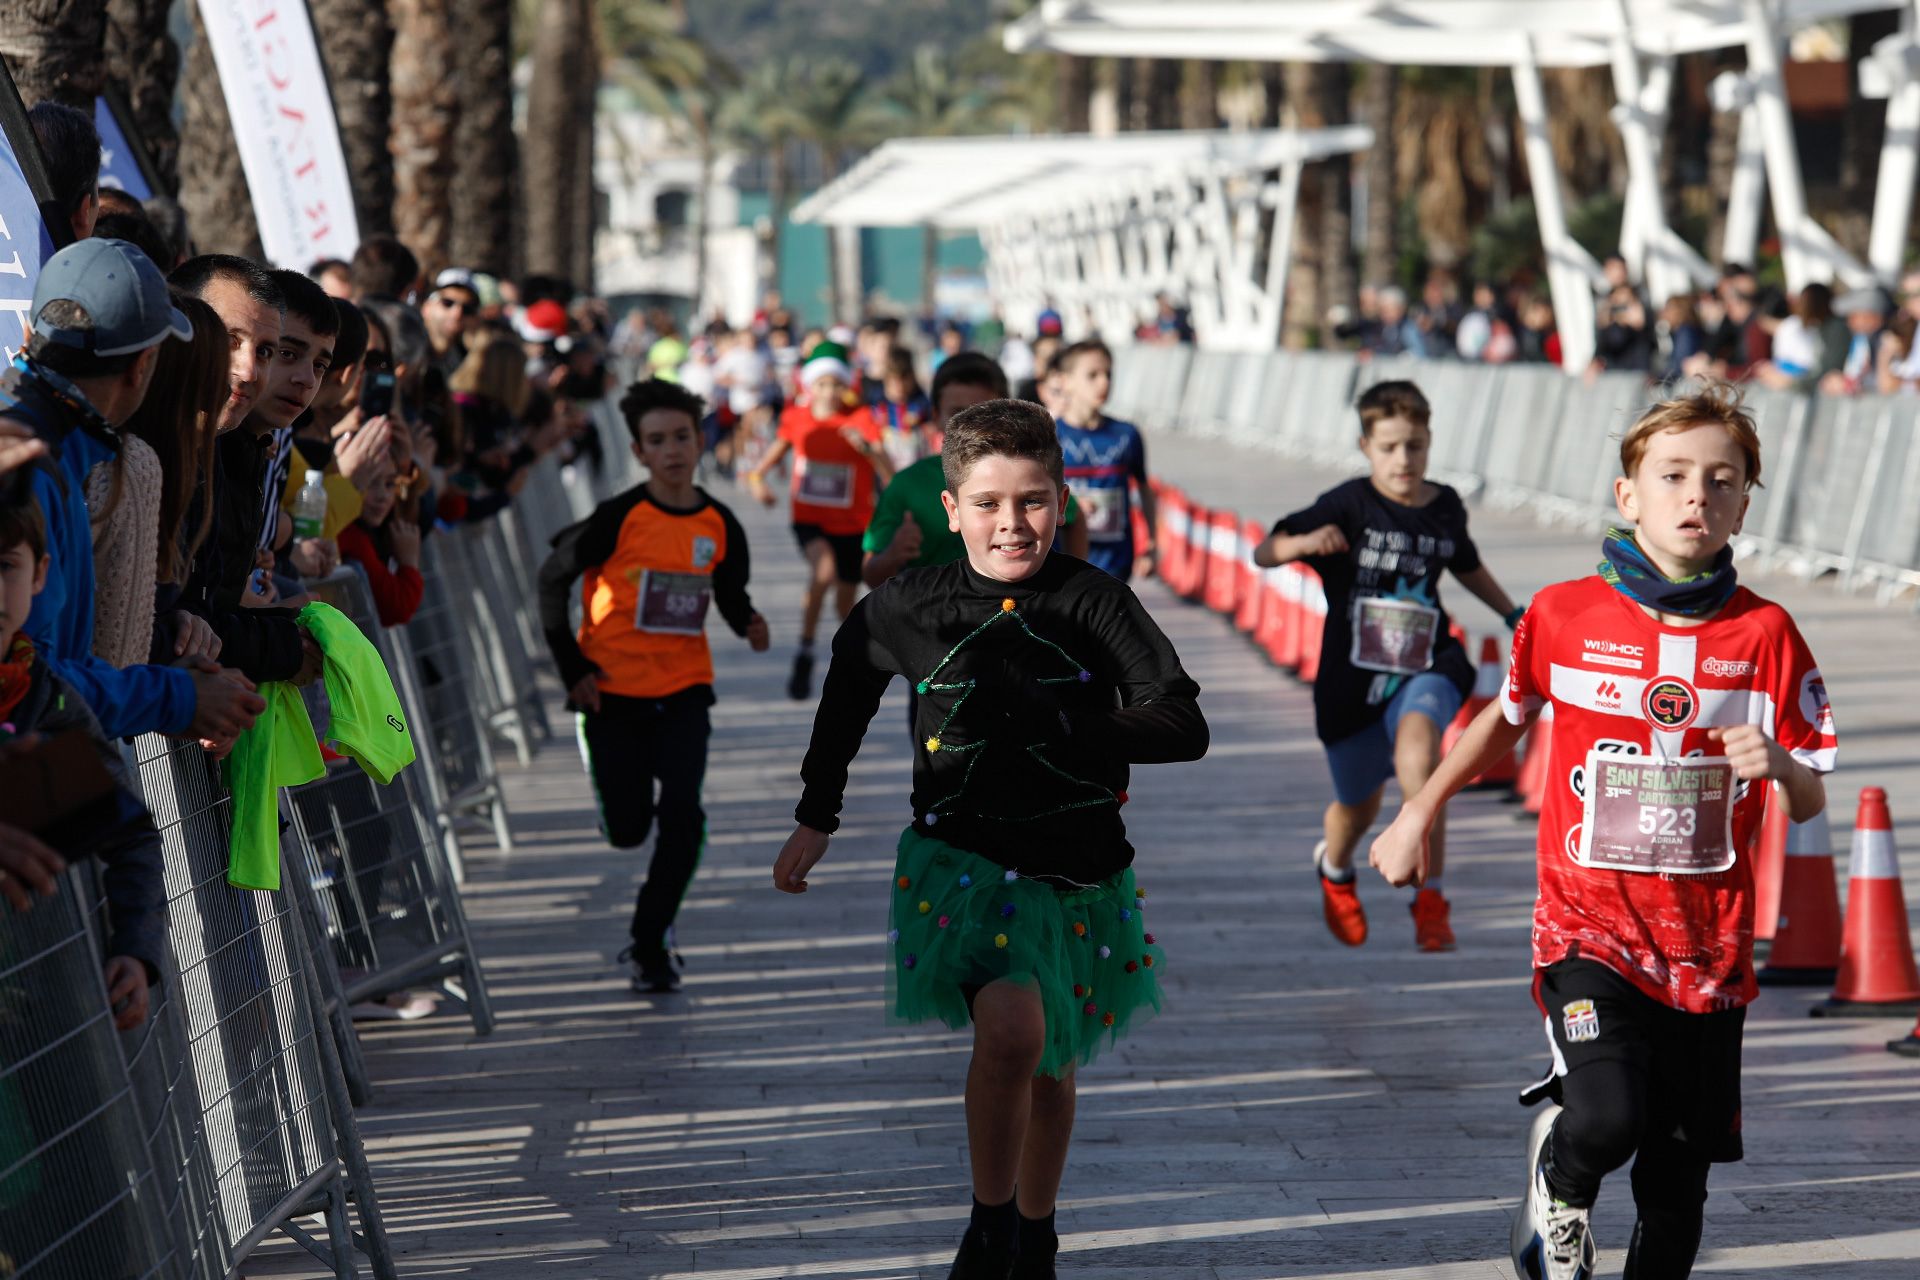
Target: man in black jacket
[263,643]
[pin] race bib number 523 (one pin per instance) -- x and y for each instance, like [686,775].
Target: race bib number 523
[1395,636]
[1668,816]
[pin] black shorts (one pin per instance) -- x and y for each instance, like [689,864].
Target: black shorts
[1689,1062]
[848,551]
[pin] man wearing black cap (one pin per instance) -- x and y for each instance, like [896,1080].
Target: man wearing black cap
[100,312]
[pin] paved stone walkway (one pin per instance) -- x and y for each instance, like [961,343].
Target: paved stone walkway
[1298,1110]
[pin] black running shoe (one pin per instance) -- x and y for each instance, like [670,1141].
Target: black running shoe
[800,683]
[1037,1250]
[652,973]
[986,1256]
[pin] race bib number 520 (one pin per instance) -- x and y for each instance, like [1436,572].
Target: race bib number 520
[1668,816]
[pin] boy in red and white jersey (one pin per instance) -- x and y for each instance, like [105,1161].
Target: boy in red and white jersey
[1674,692]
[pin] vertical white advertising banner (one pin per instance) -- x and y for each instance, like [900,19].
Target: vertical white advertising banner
[283,123]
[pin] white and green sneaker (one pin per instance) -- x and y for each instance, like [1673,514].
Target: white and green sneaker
[1551,1240]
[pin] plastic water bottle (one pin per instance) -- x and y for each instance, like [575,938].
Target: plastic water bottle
[310,508]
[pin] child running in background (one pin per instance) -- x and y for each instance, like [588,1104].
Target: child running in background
[1105,460]
[838,465]
[1674,690]
[909,526]
[1392,676]
[1039,681]
[639,672]
[904,414]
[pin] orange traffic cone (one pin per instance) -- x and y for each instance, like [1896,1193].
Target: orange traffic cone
[1286,649]
[1253,595]
[1313,621]
[1533,766]
[1223,566]
[1486,687]
[1769,865]
[1193,584]
[1877,974]
[1171,539]
[1806,941]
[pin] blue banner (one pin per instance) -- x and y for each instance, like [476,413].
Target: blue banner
[24,245]
[118,165]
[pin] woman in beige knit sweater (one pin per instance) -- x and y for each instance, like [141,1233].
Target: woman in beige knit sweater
[123,495]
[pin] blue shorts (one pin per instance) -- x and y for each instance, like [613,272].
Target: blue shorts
[1362,762]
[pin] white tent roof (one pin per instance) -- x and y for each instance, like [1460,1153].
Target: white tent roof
[1405,32]
[975,182]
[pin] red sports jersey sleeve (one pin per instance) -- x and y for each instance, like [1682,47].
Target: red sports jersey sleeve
[1619,683]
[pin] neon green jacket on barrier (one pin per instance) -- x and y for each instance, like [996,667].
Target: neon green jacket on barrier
[280,749]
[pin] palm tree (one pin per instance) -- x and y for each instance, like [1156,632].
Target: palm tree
[837,117]
[762,114]
[213,187]
[67,39]
[426,111]
[356,44]
[559,134]
[143,62]
[485,157]
[1375,106]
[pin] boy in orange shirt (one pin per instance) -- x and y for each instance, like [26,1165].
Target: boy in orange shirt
[639,672]
[839,466]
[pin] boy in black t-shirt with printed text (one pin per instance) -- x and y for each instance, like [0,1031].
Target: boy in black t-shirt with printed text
[1392,676]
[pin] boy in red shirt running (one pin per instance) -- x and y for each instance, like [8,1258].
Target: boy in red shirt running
[1674,691]
[837,470]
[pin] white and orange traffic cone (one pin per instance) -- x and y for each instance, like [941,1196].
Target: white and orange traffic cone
[1533,778]
[1769,865]
[1193,583]
[1806,940]
[1877,974]
[1223,562]
[1486,687]
[1313,623]
[1253,594]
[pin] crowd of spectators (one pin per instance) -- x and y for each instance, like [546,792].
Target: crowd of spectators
[157,430]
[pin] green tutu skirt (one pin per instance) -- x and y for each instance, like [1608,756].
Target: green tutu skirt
[960,921]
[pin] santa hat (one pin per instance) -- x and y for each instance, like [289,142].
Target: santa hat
[829,359]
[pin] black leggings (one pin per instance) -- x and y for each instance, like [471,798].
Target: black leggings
[1648,1083]
[631,744]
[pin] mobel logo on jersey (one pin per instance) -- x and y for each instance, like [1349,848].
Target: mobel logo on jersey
[1670,703]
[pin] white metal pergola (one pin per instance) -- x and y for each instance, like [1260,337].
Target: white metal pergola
[1636,39]
[1100,225]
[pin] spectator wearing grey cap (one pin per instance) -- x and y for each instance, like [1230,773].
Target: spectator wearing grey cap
[1865,310]
[451,312]
[100,309]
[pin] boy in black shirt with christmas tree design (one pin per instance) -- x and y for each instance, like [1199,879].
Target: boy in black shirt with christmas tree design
[1039,680]
[1392,676]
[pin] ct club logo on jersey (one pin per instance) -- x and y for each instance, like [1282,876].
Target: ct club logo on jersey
[1670,703]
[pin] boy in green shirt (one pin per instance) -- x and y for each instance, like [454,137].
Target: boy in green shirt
[909,526]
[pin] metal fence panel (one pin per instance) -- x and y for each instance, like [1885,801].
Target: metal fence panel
[263,1072]
[79,1195]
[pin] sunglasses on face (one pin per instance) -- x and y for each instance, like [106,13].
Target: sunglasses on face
[455,304]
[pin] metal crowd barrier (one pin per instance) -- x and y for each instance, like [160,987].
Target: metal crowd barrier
[373,872]
[253,1103]
[1842,474]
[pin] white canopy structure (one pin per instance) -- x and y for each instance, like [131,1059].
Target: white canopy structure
[1099,225]
[1636,38]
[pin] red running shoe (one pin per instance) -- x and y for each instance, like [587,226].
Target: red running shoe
[1431,932]
[1346,918]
